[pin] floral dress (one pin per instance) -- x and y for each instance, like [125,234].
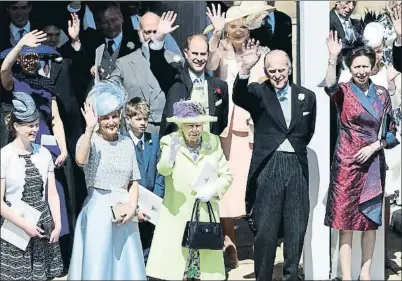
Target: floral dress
[193,271]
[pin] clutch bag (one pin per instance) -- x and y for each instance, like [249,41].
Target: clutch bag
[117,212]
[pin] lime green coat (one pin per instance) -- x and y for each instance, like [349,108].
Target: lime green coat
[167,258]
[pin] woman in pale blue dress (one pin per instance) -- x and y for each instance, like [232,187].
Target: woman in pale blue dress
[104,250]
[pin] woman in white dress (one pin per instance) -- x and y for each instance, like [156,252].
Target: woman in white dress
[103,249]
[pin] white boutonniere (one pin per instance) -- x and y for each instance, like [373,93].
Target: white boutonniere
[150,141]
[301,97]
[58,59]
[176,58]
[130,45]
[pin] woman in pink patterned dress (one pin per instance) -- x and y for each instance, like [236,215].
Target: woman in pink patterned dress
[357,181]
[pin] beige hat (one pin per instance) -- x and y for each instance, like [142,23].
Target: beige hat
[245,9]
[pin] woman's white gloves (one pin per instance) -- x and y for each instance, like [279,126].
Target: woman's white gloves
[174,148]
[206,193]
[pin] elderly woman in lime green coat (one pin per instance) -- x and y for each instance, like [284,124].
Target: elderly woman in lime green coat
[184,154]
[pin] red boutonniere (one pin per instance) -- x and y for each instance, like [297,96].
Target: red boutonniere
[218,91]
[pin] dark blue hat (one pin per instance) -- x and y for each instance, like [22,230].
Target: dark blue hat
[41,50]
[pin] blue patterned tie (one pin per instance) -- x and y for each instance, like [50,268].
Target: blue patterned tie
[282,96]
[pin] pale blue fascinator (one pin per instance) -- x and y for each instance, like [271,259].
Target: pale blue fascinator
[25,110]
[107,97]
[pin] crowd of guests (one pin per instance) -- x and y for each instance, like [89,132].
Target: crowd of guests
[98,101]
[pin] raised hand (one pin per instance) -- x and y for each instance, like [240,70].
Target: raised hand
[165,25]
[90,117]
[216,17]
[396,16]
[334,44]
[174,148]
[33,38]
[250,55]
[74,27]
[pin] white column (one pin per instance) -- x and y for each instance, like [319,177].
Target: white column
[314,27]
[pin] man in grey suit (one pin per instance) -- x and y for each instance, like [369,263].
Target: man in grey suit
[137,71]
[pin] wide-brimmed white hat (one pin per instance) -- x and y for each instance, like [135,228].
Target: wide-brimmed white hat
[244,10]
[373,35]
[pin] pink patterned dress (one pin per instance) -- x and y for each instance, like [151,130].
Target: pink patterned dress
[356,190]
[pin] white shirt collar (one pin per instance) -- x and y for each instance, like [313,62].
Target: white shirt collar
[135,139]
[193,76]
[135,20]
[14,29]
[117,40]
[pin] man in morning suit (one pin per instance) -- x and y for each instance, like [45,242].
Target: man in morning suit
[192,82]
[277,193]
[146,72]
[147,151]
[340,20]
[118,42]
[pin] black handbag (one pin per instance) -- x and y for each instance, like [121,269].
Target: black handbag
[202,235]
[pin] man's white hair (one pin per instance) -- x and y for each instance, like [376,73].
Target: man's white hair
[277,52]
